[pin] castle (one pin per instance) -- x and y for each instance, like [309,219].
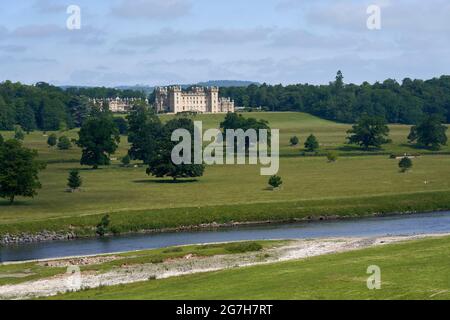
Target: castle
[199,99]
[118,105]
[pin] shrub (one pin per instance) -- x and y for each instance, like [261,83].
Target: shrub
[275,181]
[311,143]
[294,141]
[74,180]
[52,140]
[103,226]
[242,247]
[64,143]
[173,250]
[405,164]
[332,156]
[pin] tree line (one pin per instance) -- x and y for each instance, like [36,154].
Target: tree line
[407,102]
[46,107]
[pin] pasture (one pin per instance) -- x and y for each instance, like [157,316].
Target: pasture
[311,185]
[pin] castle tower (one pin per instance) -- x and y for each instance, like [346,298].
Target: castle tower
[175,99]
[212,99]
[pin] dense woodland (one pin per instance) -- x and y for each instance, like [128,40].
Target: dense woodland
[405,102]
[46,107]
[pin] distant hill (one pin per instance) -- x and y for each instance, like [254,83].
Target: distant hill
[149,89]
[226,83]
[142,88]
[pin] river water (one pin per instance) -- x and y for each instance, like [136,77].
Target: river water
[429,223]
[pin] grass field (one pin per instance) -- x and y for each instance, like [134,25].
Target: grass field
[312,186]
[331,136]
[411,270]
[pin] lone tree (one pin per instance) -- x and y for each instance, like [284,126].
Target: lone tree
[161,165]
[52,140]
[294,141]
[144,130]
[405,164]
[19,171]
[369,132]
[98,138]
[275,181]
[64,143]
[74,181]
[430,133]
[19,134]
[311,143]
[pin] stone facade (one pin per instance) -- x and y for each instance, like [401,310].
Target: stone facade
[198,99]
[118,105]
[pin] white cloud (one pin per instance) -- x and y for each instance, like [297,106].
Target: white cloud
[152,9]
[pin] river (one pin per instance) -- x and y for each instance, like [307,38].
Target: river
[427,223]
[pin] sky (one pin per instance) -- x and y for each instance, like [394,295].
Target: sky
[161,42]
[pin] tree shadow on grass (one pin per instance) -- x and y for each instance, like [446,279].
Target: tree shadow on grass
[354,148]
[165,181]
[416,146]
[6,203]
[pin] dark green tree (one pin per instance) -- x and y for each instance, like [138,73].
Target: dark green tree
[405,164]
[74,181]
[275,181]
[103,226]
[145,129]
[25,116]
[126,161]
[52,140]
[311,143]
[122,125]
[430,133]
[294,141]
[64,143]
[19,171]
[98,138]
[161,165]
[7,115]
[369,132]
[79,108]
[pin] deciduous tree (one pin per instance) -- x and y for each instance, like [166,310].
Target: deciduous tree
[369,132]
[19,171]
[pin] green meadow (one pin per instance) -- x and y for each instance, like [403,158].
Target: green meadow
[411,270]
[354,185]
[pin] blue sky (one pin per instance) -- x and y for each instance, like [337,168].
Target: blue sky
[158,42]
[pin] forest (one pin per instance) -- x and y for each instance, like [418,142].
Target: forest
[46,107]
[406,102]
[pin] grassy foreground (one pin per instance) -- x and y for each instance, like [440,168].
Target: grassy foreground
[353,186]
[412,270]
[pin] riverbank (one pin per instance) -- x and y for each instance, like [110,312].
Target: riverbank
[213,217]
[108,270]
[416,269]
